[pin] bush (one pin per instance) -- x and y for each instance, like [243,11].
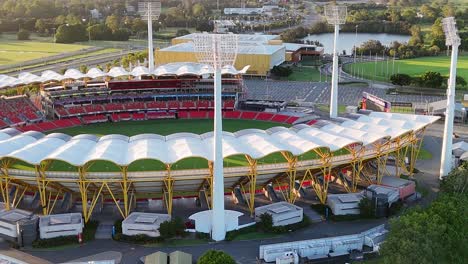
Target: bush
[137,239]
[173,228]
[23,35]
[281,71]
[266,223]
[366,208]
[215,257]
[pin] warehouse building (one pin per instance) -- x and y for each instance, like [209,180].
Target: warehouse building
[261,52]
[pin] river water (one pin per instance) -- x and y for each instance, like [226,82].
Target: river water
[346,41]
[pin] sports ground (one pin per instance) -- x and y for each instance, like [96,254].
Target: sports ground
[164,127]
[412,67]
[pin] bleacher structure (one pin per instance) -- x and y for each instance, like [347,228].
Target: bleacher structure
[315,153]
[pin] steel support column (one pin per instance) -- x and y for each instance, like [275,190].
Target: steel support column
[168,190]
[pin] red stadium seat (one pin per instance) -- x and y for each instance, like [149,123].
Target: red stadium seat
[203,105]
[228,104]
[63,123]
[112,107]
[46,126]
[188,105]
[291,120]
[3,124]
[280,118]
[173,105]
[93,108]
[75,121]
[210,114]
[311,122]
[198,114]
[248,115]
[138,116]
[156,105]
[135,106]
[263,116]
[31,128]
[92,119]
[125,116]
[76,110]
[61,112]
[232,114]
[183,114]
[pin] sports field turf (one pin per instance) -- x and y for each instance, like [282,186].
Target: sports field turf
[413,67]
[17,51]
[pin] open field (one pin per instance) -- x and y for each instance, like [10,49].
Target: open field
[414,67]
[18,51]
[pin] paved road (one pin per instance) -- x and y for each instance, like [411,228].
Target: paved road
[245,252]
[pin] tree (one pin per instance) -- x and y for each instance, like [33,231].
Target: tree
[174,227]
[266,222]
[432,79]
[112,22]
[400,79]
[416,36]
[23,35]
[198,10]
[71,33]
[41,26]
[460,81]
[83,68]
[99,32]
[436,234]
[215,257]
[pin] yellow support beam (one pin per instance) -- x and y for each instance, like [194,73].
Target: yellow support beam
[168,190]
[291,173]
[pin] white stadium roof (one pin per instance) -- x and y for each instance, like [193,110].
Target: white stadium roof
[175,69]
[35,147]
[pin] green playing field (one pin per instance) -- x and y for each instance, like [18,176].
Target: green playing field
[382,70]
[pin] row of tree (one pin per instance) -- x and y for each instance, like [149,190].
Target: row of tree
[428,79]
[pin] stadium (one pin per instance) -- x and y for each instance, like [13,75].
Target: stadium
[127,136]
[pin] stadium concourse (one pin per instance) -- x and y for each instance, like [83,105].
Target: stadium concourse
[348,152]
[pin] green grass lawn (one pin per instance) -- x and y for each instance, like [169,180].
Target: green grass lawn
[165,127]
[305,74]
[17,51]
[413,67]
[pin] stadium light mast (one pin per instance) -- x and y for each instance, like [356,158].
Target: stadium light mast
[217,50]
[150,10]
[451,39]
[335,15]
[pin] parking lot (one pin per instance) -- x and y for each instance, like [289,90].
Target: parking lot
[319,92]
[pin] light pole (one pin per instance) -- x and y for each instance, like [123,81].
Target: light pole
[451,39]
[336,15]
[217,50]
[355,43]
[150,10]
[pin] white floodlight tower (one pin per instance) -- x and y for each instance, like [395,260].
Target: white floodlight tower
[150,10]
[335,15]
[451,39]
[217,50]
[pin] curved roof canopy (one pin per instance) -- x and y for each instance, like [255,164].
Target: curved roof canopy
[34,147]
[171,69]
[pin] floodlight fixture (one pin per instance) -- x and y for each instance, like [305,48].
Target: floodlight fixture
[451,39]
[335,15]
[449,25]
[150,10]
[217,50]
